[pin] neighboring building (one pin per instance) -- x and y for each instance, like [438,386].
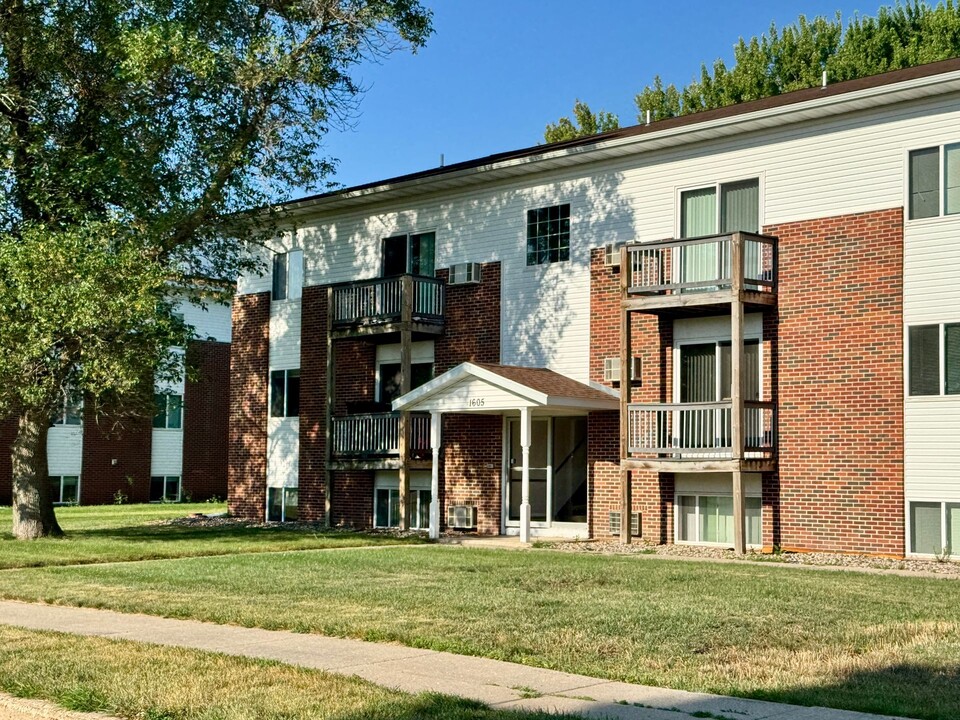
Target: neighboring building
[446,349]
[179,454]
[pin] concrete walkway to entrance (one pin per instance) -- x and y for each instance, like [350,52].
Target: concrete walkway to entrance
[496,683]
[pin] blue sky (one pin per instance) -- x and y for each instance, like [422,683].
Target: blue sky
[495,72]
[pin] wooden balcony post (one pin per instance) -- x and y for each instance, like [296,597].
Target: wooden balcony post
[736,393]
[328,415]
[626,500]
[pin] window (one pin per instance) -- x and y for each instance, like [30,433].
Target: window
[934,365]
[282,504]
[165,488]
[708,519]
[285,393]
[931,169]
[65,489]
[737,210]
[409,255]
[386,502]
[934,528]
[71,412]
[548,235]
[391,377]
[287,275]
[169,413]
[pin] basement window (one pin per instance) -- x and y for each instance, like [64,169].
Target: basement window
[65,489]
[934,528]
[708,520]
[165,488]
[282,504]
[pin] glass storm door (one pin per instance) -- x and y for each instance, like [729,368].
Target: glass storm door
[539,470]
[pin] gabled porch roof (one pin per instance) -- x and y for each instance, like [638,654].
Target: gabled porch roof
[475,387]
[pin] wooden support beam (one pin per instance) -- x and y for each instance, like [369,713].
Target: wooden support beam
[737,366]
[626,499]
[328,416]
[406,361]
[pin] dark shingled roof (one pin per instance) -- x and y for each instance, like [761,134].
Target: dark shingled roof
[547,381]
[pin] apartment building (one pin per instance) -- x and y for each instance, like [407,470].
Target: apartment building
[178,454]
[737,328]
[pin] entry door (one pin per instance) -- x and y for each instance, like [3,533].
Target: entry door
[539,470]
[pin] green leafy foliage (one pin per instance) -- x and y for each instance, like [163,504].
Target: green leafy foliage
[131,139]
[904,35]
[585,123]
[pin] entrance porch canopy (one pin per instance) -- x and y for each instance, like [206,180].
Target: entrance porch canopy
[501,389]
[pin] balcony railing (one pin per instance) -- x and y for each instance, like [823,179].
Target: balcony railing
[702,264]
[378,435]
[383,300]
[697,431]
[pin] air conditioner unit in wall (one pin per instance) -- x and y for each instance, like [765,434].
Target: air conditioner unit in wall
[465,273]
[611,369]
[615,523]
[611,254]
[462,517]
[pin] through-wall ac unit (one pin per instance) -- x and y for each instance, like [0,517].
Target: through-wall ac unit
[465,273]
[611,254]
[611,369]
[462,517]
[615,523]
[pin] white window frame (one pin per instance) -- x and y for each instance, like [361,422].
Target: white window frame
[58,500]
[717,341]
[392,485]
[942,360]
[290,291]
[286,393]
[526,235]
[908,526]
[166,414]
[60,419]
[941,181]
[408,235]
[698,542]
[166,479]
[283,503]
[679,190]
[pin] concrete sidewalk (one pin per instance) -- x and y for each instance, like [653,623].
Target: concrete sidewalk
[496,683]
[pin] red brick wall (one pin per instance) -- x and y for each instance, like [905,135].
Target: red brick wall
[839,381]
[313,402]
[115,458]
[652,340]
[206,416]
[352,504]
[249,358]
[472,322]
[356,373]
[472,467]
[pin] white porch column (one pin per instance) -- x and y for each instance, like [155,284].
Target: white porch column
[435,419]
[525,476]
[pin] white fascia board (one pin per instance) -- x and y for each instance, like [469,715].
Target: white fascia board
[581,403]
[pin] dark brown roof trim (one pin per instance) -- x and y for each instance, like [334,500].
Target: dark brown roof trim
[775,101]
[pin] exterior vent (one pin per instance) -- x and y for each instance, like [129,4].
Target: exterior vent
[611,369]
[465,274]
[462,517]
[611,254]
[615,523]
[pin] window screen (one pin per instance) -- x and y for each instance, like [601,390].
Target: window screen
[924,183]
[925,360]
[925,528]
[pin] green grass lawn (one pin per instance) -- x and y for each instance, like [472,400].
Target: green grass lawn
[873,643]
[93,675]
[113,533]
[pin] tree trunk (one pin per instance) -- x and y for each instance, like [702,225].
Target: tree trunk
[33,515]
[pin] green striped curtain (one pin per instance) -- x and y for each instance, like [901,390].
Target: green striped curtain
[698,217]
[951,179]
[740,206]
[951,340]
[716,519]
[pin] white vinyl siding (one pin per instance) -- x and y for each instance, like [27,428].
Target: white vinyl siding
[210,321]
[166,456]
[65,450]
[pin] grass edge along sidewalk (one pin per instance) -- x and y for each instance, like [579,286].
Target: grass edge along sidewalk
[503,685]
[133,680]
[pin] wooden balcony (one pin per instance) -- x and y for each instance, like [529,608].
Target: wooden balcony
[387,305]
[377,435]
[697,437]
[700,273]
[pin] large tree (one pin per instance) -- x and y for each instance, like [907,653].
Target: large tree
[795,57]
[585,123]
[131,135]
